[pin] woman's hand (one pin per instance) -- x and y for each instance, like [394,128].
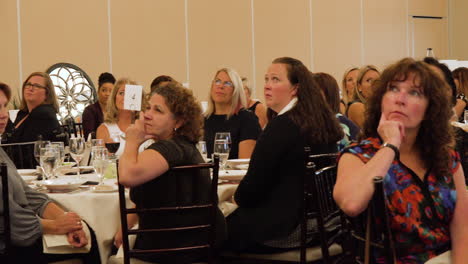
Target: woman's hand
[136,133]
[68,222]
[77,238]
[118,238]
[391,131]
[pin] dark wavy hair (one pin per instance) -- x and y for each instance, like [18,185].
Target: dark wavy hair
[447,77]
[311,114]
[160,79]
[435,137]
[6,90]
[330,89]
[184,106]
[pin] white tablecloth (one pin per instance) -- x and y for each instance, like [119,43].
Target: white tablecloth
[99,210]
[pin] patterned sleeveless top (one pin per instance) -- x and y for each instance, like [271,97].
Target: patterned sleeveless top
[420,210]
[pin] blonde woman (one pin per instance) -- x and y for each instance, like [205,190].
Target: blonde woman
[347,88]
[363,89]
[254,106]
[227,112]
[117,119]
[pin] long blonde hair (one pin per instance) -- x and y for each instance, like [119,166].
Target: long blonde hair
[238,100]
[112,113]
[362,71]
[344,92]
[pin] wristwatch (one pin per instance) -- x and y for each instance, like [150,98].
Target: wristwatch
[394,148]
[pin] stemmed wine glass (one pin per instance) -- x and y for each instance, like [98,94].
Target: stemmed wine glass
[38,145]
[48,160]
[100,162]
[224,135]
[77,148]
[221,147]
[114,145]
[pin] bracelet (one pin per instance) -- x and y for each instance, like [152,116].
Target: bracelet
[394,148]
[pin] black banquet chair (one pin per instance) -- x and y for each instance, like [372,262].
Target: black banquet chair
[22,154]
[6,236]
[206,209]
[317,205]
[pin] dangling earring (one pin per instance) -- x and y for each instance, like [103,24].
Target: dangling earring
[175,129]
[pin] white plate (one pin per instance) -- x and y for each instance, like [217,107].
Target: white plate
[242,167]
[63,184]
[27,172]
[28,179]
[232,175]
[104,188]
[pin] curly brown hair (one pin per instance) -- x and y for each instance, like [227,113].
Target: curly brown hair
[435,137]
[185,107]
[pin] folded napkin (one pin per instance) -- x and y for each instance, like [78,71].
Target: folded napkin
[58,244]
[444,258]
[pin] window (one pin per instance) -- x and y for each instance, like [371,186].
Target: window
[74,90]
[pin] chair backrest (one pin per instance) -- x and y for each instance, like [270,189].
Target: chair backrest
[370,231]
[208,210]
[318,202]
[6,212]
[22,154]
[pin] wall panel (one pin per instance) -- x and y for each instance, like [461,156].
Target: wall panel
[428,7]
[65,31]
[148,39]
[9,68]
[219,36]
[385,32]
[336,36]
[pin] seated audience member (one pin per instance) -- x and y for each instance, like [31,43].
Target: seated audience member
[444,73]
[117,119]
[174,119]
[227,113]
[33,213]
[348,85]
[425,191]
[38,110]
[93,115]
[160,80]
[269,196]
[331,91]
[460,77]
[355,112]
[253,106]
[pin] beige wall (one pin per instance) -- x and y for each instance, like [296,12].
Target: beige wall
[191,39]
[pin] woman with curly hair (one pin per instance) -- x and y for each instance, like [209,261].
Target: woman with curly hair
[408,140]
[173,118]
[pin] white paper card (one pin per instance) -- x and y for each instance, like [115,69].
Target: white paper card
[132,99]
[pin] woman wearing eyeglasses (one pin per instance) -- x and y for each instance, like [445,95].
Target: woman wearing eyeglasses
[38,110]
[227,113]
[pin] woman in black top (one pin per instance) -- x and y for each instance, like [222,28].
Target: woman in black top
[227,113]
[173,118]
[269,196]
[93,115]
[38,110]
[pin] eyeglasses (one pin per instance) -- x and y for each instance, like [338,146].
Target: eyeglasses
[35,86]
[226,84]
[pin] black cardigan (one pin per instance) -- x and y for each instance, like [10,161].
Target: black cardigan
[42,120]
[269,196]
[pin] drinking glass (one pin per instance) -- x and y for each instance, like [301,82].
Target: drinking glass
[97,142]
[225,136]
[221,147]
[37,149]
[100,162]
[465,116]
[201,146]
[48,160]
[61,148]
[114,144]
[77,148]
